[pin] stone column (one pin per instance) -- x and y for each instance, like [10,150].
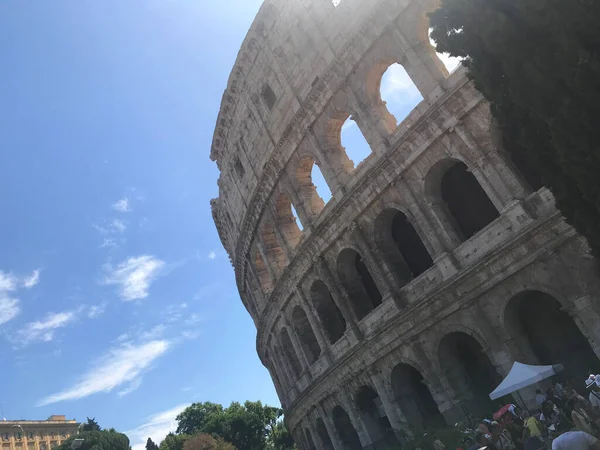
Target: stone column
[335,174]
[281,239]
[588,321]
[297,346]
[499,355]
[349,405]
[331,430]
[315,324]
[365,117]
[272,268]
[393,413]
[339,297]
[290,186]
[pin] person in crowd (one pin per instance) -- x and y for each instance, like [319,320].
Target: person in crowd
[483,440]
[501,439]
[550,414]
[532,432]
[580,416]
[576,440]
[559,389]
[438,444]
[594,397]
[539,397]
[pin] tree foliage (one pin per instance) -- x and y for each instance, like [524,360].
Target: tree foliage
[205,441]
[91,425]
[98,440]
[538,63]
[151,445]
[251,426]
[173,441]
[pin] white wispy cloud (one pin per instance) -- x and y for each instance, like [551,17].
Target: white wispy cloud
[156,427]
[118,226]
[44,330]
[9,306]
[111,227]
[134,276]
[32,280]
[212,255]
[122,205]
[96,310]
[122,365]
[134,385]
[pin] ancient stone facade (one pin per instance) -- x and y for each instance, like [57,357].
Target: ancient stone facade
[438,261]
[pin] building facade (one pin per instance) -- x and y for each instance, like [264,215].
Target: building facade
[439,260]
[36,434]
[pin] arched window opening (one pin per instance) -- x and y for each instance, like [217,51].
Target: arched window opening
[373,416]
[290,354]
[324,435]
[329,314]
[286,221]
[345,429]
[308,340]
[543,330]
[469,371]
[415,399]
[297,217]
[354,143]
[398,93]
[467,202]
[359,283]
[309,439]
[273,250]
[451,63]
[313,189]
[264,278]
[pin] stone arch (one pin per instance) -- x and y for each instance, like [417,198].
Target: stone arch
[345,429]
[469,370]
[335,144]
[458,199]
[309,439]
[373,416]
[401,245]
[286,221]
[273,250]
[323,435]
[290,353]
[359,283]
[414,398]
[262,271]
[307,337]
[545,332]
[307,191]
[329,314]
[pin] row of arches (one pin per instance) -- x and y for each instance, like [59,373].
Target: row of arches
[545,334]
[456,198]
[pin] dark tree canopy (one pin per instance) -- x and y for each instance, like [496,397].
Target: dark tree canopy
[173,442]
[538,63]
[150,445]
[98,440]
[91,425]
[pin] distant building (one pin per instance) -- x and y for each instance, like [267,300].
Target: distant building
[36,434]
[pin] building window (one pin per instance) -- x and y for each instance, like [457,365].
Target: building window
[42,446]
[18,436]
[29,435]
[269,96]
[5,436]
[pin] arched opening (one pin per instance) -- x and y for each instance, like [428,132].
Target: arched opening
[542,329]
[353,142]
[401,245]
[415,399]
[273,250]
[374,418]
[469,371]
[359,283]
[324,435]
[297,217]
[451,63]
[329,314]
[290,353]
[313,189]
[286,221]
[264,278]
[308,341]
[398,93]
[345,429]
[466,201]
[309,439]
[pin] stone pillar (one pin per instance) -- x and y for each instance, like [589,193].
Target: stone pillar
[297,346]
[339,297]
[393,413]
[305,217]
[498,353]
[315,324]
[366,119]
[331,430]
[273,269]
[349,405]
[334,173]
[271,216]
[588,321]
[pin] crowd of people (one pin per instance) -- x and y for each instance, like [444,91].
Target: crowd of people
[565,420]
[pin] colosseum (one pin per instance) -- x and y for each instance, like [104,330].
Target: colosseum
[401,302]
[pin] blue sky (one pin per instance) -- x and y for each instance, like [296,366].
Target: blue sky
[116,298]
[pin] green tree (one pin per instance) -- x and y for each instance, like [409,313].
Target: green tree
[195,417]
[91,425]
[98,440]
[173,441]
[538,63]
[205,441]
[280,438]
[150,445]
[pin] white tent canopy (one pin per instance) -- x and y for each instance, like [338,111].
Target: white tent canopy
[522,375]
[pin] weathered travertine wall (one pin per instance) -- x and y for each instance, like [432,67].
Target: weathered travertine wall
[405,297]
